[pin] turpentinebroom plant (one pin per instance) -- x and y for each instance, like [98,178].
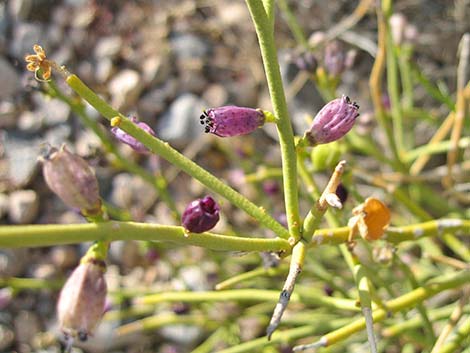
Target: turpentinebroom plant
[345,270]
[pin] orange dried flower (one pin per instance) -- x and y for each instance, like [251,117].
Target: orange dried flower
[38,61]
[370,218]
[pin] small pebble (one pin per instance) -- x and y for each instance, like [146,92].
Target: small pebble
[23,206]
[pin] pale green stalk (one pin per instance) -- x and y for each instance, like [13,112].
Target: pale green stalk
[155,322]
[393,92]
[427,324]
[416,321]
[264,31]
[209,345]
[435,148]
[245,276]
[458,341]
[269,10]
[57,234]
[406,301]
[157,180]
[164,150]
[250,296]
[293,24]
[30,283]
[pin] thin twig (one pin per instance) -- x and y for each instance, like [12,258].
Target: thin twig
[454,318]
[460,107]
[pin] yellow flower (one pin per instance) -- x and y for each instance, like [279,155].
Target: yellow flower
[370,218]
[38,61]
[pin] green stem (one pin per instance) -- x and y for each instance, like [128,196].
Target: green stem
[30,283]
[161,320]
[458,340]
[245,276]
[433,90]
[393,91]
[427,324]
[286,137]
[269,9]
[435,148]
[416,321]
[397,235]
[401,303]
[157,181]
[56,234]
[248,295]
[164,150]
[293,24]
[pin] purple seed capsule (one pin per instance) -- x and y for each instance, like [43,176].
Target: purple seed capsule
[333,121]
[70,177]
[335,58]
[82,300]
[130,140]
[271,187]
[231,120]
[201,215]
[306,62]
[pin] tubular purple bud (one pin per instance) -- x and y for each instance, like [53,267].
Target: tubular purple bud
[231,120]
[306,61]
[70,177]
[132,141]
[333,121]
[82,300]
[201,215]
[271,187]
[335,58]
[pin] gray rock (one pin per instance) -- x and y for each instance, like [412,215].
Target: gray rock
[182,334]
[125,253]
[103,70]
[58,135]
[155,101]
[51,111]
[132,193]
[192,80]
[20,9]
[8,113]
[10,79]
[125,88]
[194,278]
[87,143]
[64,53]
[7,338]
[189,46]
[25,35]
[156,69]
[180,123]
[13,262]
[27,326]
[4,21]
[3,205]
[21,152]
[108,47]
[23,206]
[215,95]
[55,36]
[29,121]
[231,13]
[64,257]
